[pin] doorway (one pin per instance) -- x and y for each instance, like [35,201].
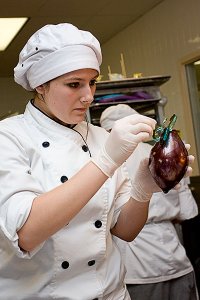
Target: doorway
[193,82]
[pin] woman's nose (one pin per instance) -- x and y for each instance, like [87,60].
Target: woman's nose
[86,99]
[88,96]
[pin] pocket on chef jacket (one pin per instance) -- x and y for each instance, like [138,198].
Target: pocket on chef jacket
[119,294]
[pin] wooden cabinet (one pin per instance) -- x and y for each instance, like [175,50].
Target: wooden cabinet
[142,94]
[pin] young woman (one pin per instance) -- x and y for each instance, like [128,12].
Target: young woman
[64,188]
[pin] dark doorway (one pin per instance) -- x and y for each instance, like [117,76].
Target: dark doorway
[193,82]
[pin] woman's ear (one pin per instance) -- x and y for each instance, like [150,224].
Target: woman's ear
[40,89]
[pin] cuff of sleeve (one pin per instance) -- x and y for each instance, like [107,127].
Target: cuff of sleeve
[105,163]
[27,255]
[13,243]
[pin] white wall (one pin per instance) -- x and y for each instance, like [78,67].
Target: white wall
[155,45]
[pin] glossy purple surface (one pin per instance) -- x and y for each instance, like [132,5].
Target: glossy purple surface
[168,161]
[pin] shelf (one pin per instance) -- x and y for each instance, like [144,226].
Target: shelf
[96,104]
[107,93]
[131,82]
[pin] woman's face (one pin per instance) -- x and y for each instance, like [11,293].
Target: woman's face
[67,98]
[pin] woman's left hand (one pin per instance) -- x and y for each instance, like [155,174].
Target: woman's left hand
[191,159]
[143,184]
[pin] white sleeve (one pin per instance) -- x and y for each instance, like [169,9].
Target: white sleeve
[18,188]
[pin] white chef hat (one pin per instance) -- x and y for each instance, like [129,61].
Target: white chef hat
[114,113]
[53,51]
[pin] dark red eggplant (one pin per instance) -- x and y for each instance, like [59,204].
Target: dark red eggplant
[168,159]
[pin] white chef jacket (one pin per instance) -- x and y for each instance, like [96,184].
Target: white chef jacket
[157,254]
[80,261]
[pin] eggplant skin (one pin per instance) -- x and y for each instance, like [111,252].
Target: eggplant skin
[168,161]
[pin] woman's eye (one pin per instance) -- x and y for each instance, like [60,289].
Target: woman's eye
[73,84]
[93,82]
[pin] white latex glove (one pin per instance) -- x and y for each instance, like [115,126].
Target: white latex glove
[191,159]
[143,184]
[122,141]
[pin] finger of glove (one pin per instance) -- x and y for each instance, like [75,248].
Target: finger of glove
[132,140]
[191,159]
[137,118]
[129,123]
[132,124]
[140,127]
[187,146]
[132,133]
[188,171]
[177,187]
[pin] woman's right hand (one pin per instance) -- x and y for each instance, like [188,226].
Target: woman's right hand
[122,141]
[126,134]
